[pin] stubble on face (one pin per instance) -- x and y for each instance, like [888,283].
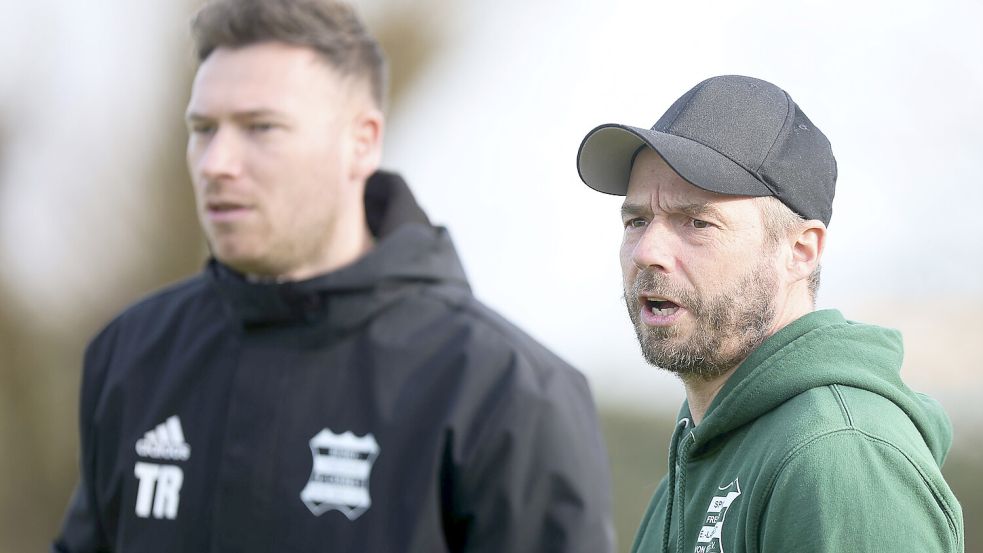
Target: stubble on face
[270,132]
[729,325]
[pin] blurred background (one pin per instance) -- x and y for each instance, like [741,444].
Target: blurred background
[490,102]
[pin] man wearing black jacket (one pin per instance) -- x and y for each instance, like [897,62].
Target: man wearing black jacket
[328,382]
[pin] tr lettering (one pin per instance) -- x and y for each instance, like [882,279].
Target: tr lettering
[159,491]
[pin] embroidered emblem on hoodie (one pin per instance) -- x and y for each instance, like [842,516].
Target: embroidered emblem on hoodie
[709,540]
[340,473]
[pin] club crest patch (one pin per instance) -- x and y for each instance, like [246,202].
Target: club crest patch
[340,473]
[710,538]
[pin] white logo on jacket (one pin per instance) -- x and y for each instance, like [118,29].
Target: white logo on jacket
[159,489]
[710,538]
[340,473]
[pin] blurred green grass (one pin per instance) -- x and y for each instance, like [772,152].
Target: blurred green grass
[638,448]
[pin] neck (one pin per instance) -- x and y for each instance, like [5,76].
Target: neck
[345,248]
[700,393]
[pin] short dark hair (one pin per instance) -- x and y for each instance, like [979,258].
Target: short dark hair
[329,27]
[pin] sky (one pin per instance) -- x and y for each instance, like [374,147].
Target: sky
[487,138]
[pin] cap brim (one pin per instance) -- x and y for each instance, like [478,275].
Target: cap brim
[605,158]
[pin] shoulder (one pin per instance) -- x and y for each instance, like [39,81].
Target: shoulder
[848,453]
[166,301]
[496,330]
[137,336]
[835,431]
[539,375]
[820,425]
[828,414]
[862,488]
[492,366]
[452,320]
[145,320]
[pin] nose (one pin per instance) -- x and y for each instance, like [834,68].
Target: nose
[652,248]
[217,156]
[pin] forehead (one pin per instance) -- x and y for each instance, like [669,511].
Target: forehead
[654,183]
[268,74]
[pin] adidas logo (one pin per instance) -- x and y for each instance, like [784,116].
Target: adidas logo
[165,442]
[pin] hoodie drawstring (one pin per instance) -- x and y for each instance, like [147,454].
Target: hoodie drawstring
[681,520]
[681,427]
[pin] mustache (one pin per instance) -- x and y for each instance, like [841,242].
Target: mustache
[653,283]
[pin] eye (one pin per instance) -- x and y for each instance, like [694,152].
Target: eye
[260,127]
[202,128]
[699,223]
[637,222]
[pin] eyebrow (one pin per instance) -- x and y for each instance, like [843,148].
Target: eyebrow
[192,116]
[628,209]
[699,210]
[694,210]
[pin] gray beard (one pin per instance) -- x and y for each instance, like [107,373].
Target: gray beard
[729,325]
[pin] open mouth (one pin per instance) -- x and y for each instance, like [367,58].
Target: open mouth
[661,307]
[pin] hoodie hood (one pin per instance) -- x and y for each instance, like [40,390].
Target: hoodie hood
[408,250]
[820,349]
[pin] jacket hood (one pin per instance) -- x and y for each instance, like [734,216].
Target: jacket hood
[407,249]
[820,349]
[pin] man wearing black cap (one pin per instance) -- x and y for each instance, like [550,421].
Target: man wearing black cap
[797,433]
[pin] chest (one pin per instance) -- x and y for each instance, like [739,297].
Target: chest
[707,503]
[272,440]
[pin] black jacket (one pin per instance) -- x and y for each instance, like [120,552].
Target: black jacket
[377,408]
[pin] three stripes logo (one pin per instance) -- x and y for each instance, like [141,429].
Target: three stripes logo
[159,488]
[165,442]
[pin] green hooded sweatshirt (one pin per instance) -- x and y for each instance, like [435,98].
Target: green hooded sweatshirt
[814,444]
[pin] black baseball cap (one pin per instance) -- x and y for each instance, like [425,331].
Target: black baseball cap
[731,135]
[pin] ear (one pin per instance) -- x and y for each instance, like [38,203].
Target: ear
[367,131]
[807,249]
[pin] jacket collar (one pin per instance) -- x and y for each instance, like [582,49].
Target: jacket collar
[408,250]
